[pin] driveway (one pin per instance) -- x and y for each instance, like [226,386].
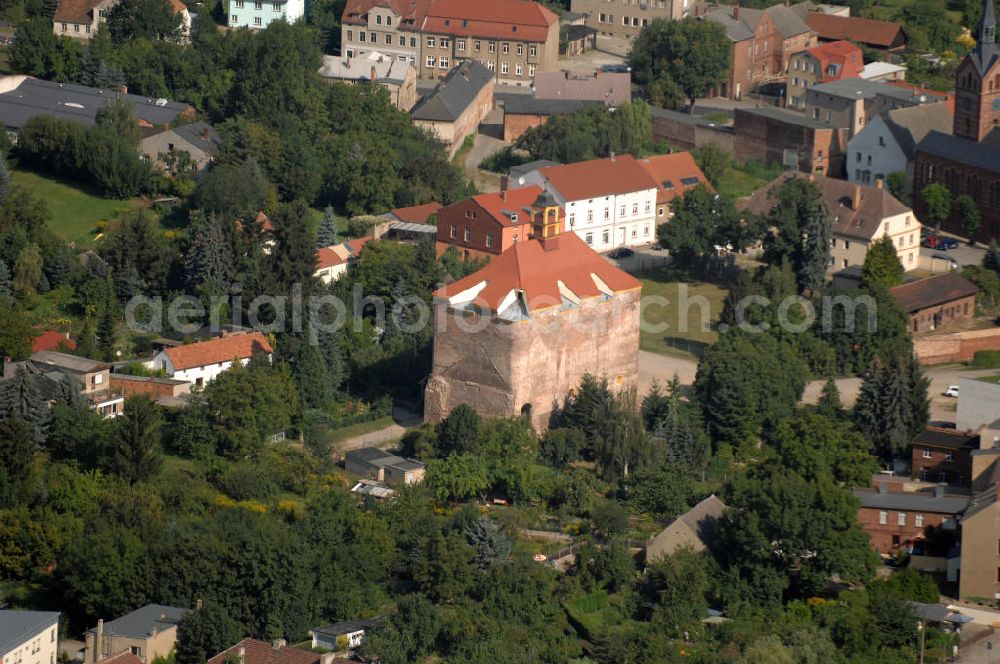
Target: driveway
[487,142]
[963,254]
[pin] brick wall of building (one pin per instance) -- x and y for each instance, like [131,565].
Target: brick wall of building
[957,347]
[688,136]
[934,317]
[765,139]
[497,370]
[982,184]
[155,387]
[936,464]
[515,124]
[887,538]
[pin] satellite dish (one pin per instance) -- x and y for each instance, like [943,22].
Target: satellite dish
[520,180]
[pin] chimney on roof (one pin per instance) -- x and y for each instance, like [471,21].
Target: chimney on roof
[374,73]
[504,185]
[278,644]
[939,491]
[857,197]
[199,604]
[612,156]
[736,11]
[243,655]
[99,641]
[883,488]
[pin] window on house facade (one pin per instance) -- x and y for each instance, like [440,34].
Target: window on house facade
[572,219]
[431,61]
[635,208]
[431,41]
[950,456]
[76,27]
[606,237]
[413,42]
[468,234]
[519,70]
[621,211]
[489,240]
[589,238]
[532,51]
[927,453]
[443,63]
[378,20]
[531,70]
[445,43]
[901,519]
[64,26]
[918,520]
[233,19]
[607,213]
[590,216]
[453,231]
[362,37]
[520,49]
[883,518]
[505,48]
[491,66]
[477,46]
[388,37]
[460,45]
[388,20]
[504,68]
[491,47]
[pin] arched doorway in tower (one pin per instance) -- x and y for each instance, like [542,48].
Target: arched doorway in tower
[526,411]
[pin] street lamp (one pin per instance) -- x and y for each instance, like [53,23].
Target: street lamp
[920,628]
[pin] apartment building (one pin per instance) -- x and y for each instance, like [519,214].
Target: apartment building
[513,39]
[821,64]
[853,102]
[29,637]
[624,19]
[258,14]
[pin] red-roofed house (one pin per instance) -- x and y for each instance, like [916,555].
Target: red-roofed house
[674,174]
[878,34]
[821,64]
[514,39]
[415,214]
[52,340]
[200,363]
[608,202]
[515,337]
[487,225]
[252,651]
[332,262]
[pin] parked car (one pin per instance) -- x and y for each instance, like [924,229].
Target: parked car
[952,391]
[620,252]
[947,243]
[931,241]
[952,263]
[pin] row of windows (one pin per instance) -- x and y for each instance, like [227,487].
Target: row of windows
[467,235]
[275,6]
[927,454]
[634,22]
[606,235]
[806,66]
[644,4]
[76,28]
[883,519]
[444,63]
[256,20]
[435,42]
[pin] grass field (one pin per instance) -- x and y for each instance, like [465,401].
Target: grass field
[737,184]
[75,211]
[690,311]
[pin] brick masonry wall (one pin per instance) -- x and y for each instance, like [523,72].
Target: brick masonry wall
[686,136]
[505,367]
[957,347]
[514,125]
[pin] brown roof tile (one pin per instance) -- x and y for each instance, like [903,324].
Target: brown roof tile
[411,12]
[223,349]
[74,11]
[599,177]
[865,30]
[252,651]
[668,170]
[932,291]
[417,214]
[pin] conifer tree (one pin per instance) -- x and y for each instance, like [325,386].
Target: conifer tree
[919,401]
[128,283]
[86,345]
[70,393]
[209,257]
[326,234]
[107,332]
[888,410]
[19,399]
[311,375]
[5,180]
[6,284]
[829,403]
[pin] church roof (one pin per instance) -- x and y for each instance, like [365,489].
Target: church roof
[985,52]
[961,150]
[536,275]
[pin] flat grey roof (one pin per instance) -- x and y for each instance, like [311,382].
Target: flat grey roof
[68,362]
[912,501]
[141,622]
[69,101]
[791,117]
[524,105]
[16,627]
[962,150]
[854,88]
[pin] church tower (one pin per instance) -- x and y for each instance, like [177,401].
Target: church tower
[977,82]
[546,217]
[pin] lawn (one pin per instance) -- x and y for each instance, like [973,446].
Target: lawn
[737,183]
[360,429]
[690,311]
[75,210]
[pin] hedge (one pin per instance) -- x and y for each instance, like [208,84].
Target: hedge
[986,359]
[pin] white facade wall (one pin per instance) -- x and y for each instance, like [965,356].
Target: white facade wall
[873,154]
[197,376]
[40,648]
[607,222]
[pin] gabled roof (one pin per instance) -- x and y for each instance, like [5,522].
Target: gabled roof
[859,88]
[949,438]
[454,94]
[910,125]
[511,19]
[331,256]
[609,88]
[16,627]
[67,362]
[142,622]
[410,12]
[787,21]
[199,134]
[843,55]
[534,275]
[599,177]
[883,34]
[124,657]
[961,150]
[74,11]
[500,206]
[252,651]
[700,523]
[982,500]
[216,351]
[854,210]
[921,501]
[674,173]
[369,67]
[417,214]
[932,291]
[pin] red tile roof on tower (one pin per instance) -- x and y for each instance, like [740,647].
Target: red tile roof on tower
[865,30]
[496,204]
[417,214]
[536,275]
[599,177]
[674,174]
[252,651]
[411,12]
[52,340]
[521,20]
[843,53]
[216,351]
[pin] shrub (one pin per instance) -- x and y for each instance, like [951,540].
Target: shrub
[247,481]
[986,359]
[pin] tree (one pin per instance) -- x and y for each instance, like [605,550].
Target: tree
[800,232]
[815,445]
[937,202]
[142,19]
[968,213]
[209,259]
[562,446]
[326,234]
[18,446]
[16,334]
[891,408]
[458,433]
[107,331]
[28,270]
[135,447]
[689,57]
[205,632]
[105,571]
[458,477]
[311,374]
[490,544]
[898,186]
[117,115]
[293,258]
[678,585]
[231,191]
[882,265]
[829,404]
[701,221]
[5,180]
[20,400]
[712,160]
[991,259]
[6,285]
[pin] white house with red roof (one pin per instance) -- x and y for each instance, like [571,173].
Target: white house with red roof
[332,262]
[201,363]
[608,202]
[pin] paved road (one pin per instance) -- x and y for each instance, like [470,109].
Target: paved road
[403,420]
[487,142]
